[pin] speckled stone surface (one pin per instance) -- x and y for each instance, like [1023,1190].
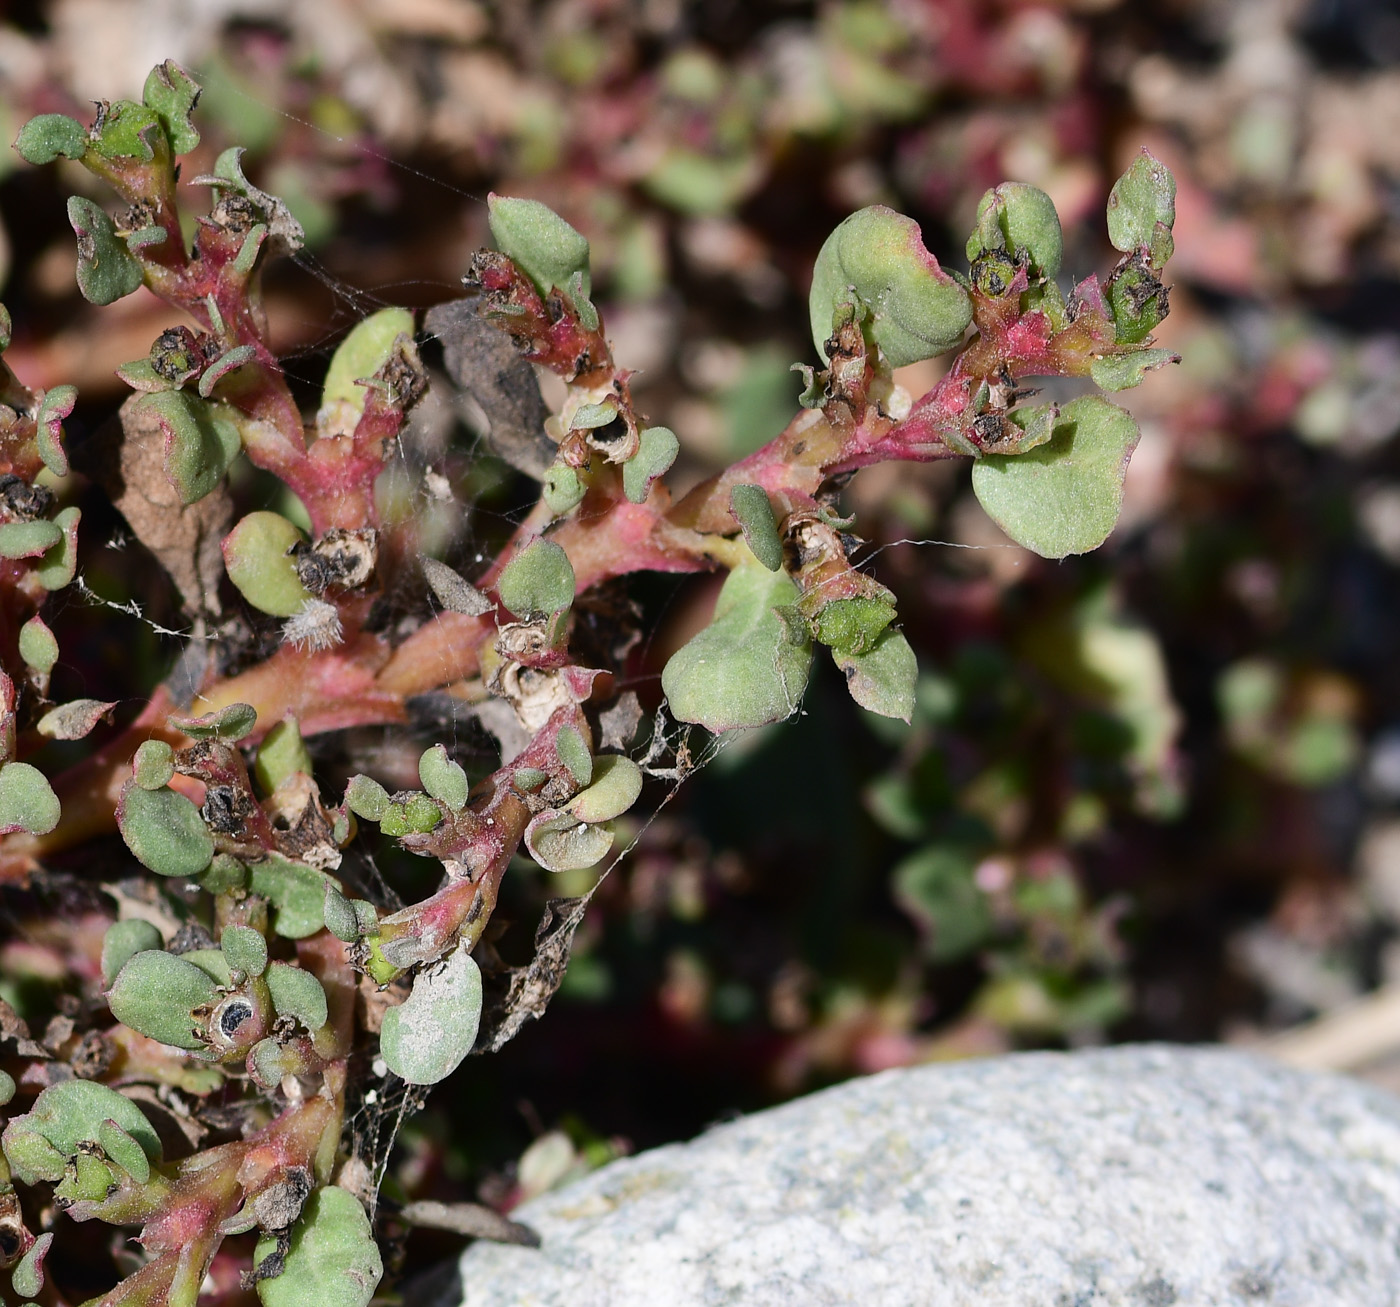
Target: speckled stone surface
[1143,1176]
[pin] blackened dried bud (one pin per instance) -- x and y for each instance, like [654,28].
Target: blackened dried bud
[993,272]
[22,502]
[341,558]
[225,809]
[406,378]
[189,937]
[236,213]
[230,1015]
[140,215]
[177,355]
[279,1205]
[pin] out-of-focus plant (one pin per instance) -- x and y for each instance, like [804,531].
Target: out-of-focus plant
[284,997]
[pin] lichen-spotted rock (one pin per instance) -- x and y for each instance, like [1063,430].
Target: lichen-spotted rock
[1126,1177]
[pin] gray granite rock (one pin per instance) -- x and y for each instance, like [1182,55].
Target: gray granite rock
[1142,1176]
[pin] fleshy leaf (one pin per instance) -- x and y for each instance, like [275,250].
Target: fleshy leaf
[852,626]
[201,440]
[746,668]
[366,798]
[27,1278]
[68,1114]
[297,993]
[1142,209]
[539,580]
[129,131]
[332,1260]
[426,1037]
[617,781]
[297,894]
[281,754]
[655,454]
[882,679]
[258,563]
[548,250]
[574,754]
[1124,371]
[125,1151]
[1063,497]
[164,830]
[340,916]
[754,513]
[454,593]
[37,645]
[415,816]
[558,841]
[173,93]
[59,563]
[1015,216]
[563,489]
[876,260]
[123,938]
[28,539]
[27,800]
[51,136]
[153,765]
[245,949]
[230,723]
[156,993]
[442,778]
[56,405]
[107,271]
[367,348]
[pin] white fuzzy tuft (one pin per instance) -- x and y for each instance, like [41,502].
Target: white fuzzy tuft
[316,626]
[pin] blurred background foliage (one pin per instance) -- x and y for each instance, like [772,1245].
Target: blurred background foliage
[1147,794]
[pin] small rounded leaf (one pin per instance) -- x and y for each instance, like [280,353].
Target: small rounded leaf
[747,668]
[617,781]
[538,581]
[28,1276]
[7,1087]
[201,440]
[258,562]
[154,765]
[360,355]
[173,94]
[230,723]
[548,250]
[1018,217]
[332,1259]
[366,798]
[51,136]
[425,1038]
[156,993]
[1062,497]
[106,269]
[876,260]
[297,993]
[164,830]
[124,938]
[27,800]
[564,489]
[656,452]
[37,645]
[558,841]
[1142,209]
[297,894]
[853,625]
[882,678]
[125,1151]
[340,916]
[28,539]
[574,754]
[245,949]
[753,511]
[443,778]
[59,563]
[281,754]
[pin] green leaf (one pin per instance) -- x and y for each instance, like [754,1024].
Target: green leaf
[546,248]
[332,1261]
[201,440]
[225,873]
[297,894]
[655,454]
[538,581]
[123,938]
[106,269]
[230,723]
[754,513]
[443,778]
[281,754]
[574,754]
[51,136]
[156,993]
[59,563]
[297,993]
[876,260]
[617,781]
[1018,217]
[164,830]
[415,816]
[125,1151]
[245,950]
[173,94]
[153,764]
[37,645]
[1124,371]
[56,405]
[28,539]
[258,562]
[27,800]
[27,1278]
[564,489]
[935,886]
[7,1087]
[366,798]
[1142,209]
[558,841]
[425,1038]
[745,668]
[129,131]
[1063,497]
[368,347]
[882,679]
[852,626]
[341,918]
